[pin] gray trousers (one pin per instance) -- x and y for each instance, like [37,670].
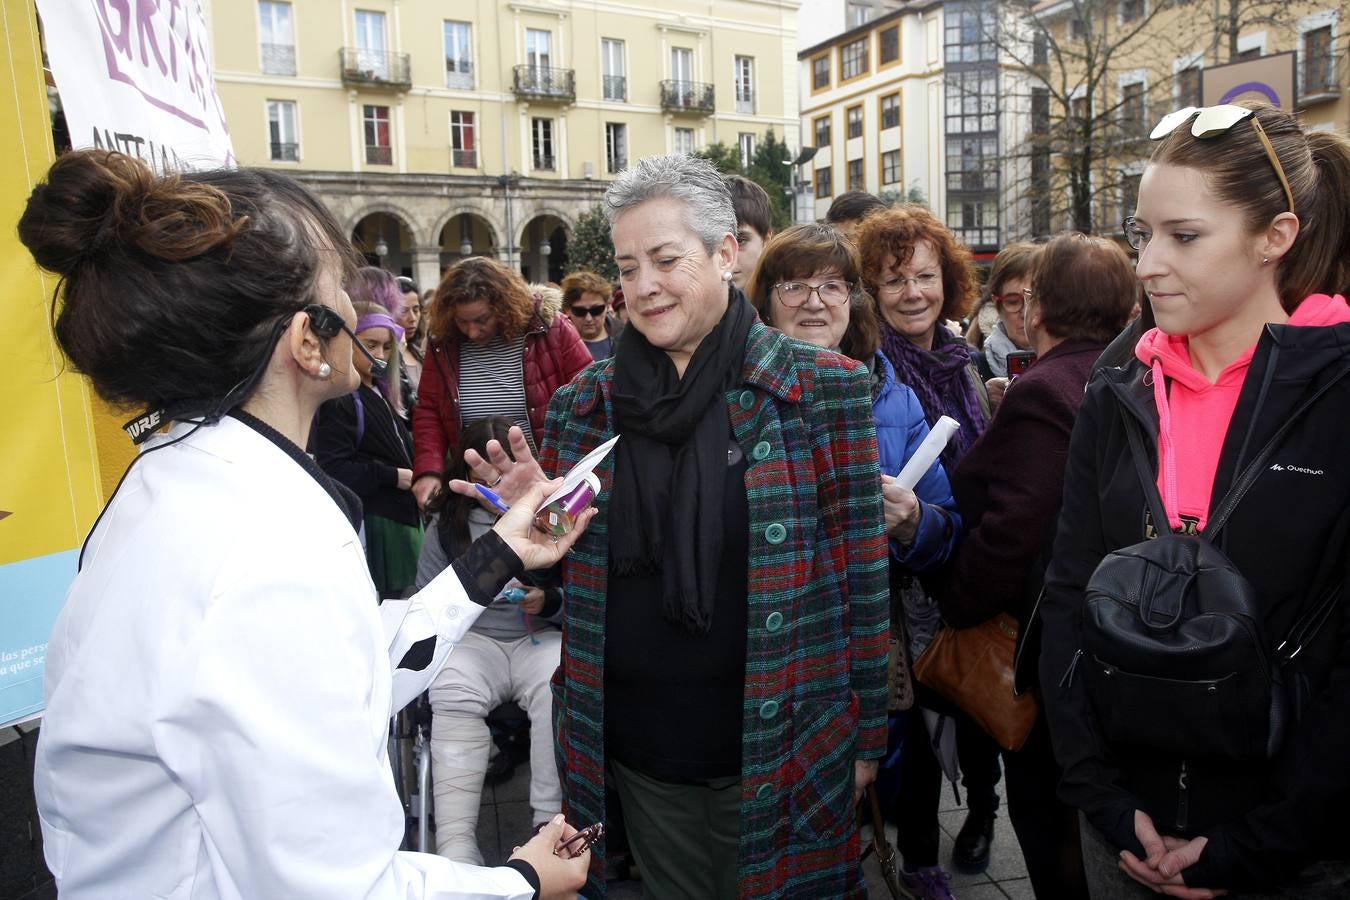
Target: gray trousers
[1320,881]
[684,836]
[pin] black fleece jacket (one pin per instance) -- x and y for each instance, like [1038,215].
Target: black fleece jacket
[1289,536]
[369,467]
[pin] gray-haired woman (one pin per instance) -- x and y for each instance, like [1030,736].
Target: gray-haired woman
[724,644]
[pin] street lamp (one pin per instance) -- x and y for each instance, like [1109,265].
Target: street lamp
[381,248]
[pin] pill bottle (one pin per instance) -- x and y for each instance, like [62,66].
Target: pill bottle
[558,517]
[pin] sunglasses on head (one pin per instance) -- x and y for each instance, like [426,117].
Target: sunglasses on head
[585,312]
[1212,121]
[326,322]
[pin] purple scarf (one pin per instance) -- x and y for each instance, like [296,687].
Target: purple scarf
[942,380]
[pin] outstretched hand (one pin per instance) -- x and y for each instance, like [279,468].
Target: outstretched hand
[508,474]
[559,877]
[536,549]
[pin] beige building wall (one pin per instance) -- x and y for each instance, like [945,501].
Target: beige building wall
[418,181]
[903,159]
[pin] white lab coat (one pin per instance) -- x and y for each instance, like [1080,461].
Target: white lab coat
[218,692]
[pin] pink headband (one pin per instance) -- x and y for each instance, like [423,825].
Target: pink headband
[379,320]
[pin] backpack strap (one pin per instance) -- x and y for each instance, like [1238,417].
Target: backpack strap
[1141,467]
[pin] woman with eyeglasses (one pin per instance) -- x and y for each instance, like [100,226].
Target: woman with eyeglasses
[499,347]
[921,276]
[219,681]
[1244,250]
[1009,276]
[808,285]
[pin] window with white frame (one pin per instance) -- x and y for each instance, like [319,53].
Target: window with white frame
[1129,194]
[744,75]
[379,149]
[1131,10]
[1319,74]
[746,141]
[824,183]
[282,133]
[370,47]
[613,74]
[853,59]
[684,141]
[890,167]
[463,140]
[1188,86]
[459,55]
[890,111]
[542,144]
[276,35]
[857,181]
[859,12]
[1133,110]
[538,48]
[616,147]
[854,117]
[822,127]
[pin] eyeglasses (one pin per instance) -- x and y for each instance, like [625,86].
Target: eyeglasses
[587,312]
[326,322]
[1212,121]
[924,282]
[793,294]
[1011,302]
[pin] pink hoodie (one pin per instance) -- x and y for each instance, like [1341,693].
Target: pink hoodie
[1188,456]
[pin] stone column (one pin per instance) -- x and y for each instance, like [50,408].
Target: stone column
[426,266]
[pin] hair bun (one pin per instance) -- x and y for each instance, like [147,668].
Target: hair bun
[98,204]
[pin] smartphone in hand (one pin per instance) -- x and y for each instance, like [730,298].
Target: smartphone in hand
[1019,361]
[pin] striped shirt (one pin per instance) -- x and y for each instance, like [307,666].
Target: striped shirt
[492,382]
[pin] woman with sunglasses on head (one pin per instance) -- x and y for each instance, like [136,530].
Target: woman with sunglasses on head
[1244,251]
[219,682]
[921,275]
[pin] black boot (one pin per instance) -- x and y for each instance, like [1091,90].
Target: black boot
[970,851]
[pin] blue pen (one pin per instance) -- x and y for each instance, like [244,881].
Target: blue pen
[492,497]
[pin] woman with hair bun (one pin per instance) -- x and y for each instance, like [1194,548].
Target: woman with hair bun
[1244,250]
[219,682]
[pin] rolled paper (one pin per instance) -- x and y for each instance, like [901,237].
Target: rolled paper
[929,450]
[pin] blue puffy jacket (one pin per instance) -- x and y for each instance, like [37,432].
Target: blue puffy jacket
[901,428]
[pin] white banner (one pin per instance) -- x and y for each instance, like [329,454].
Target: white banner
[135,76]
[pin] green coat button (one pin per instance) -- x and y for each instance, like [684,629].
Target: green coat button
[775,534]
[774,621]
[760,450]
[769,709]
[763,792]
[747,399]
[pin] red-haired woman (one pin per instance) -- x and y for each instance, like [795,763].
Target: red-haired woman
[499,347]
[921,275]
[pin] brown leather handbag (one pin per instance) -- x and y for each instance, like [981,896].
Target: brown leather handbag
[973,668]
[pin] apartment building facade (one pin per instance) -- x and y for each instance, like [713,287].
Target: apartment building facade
[871,106]
[436,131]
[1161,51]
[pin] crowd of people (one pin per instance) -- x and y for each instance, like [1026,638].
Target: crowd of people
[718,662]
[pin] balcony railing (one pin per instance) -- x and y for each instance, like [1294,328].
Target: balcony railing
[1319,83]
[543,162]
[283,152]
[375,68]
[379,156]
[686,96]
[464,159]
[459,74]
[615,87]
[544,83]
[278,59]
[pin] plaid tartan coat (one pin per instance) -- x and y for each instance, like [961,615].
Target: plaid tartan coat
[815,678]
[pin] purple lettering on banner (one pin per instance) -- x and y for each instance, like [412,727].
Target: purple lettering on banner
[117,50]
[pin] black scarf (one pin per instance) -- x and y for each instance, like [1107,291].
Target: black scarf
[670,468]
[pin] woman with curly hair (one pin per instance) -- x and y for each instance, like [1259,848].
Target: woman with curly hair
[498,347]
[921,275]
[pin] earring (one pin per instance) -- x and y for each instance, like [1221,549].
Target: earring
[325,370]
[1265,260]
[726,276]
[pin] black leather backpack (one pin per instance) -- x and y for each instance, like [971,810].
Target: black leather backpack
[1175,648]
